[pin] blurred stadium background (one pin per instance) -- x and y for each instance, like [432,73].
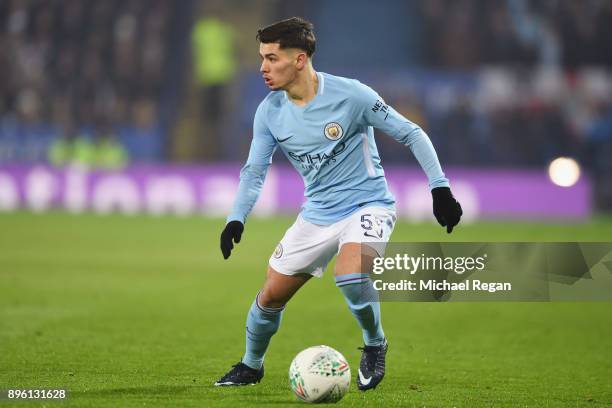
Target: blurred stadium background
[147,106]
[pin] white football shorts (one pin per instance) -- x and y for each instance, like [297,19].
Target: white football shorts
[308,248]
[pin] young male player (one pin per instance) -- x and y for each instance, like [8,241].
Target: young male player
[323,124]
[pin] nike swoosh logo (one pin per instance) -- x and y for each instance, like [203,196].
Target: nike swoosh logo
[362,379]
[284,140]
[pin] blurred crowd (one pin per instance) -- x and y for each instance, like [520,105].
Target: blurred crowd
[505,117]
[77,73]
[470,33]
[550,93]
[501,117]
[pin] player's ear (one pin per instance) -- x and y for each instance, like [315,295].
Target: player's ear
[301,59]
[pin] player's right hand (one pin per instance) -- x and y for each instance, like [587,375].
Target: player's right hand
[231,233]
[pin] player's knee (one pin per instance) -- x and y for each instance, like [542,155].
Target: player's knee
[268,298]
[348,267]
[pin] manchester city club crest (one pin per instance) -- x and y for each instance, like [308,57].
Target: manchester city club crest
[333,131]
[278,252]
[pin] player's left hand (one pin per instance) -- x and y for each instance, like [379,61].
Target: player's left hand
[231,233]
[446,209]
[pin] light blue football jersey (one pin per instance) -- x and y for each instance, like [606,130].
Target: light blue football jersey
[330,142]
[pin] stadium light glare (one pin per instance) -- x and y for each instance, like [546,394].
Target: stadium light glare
[564,171]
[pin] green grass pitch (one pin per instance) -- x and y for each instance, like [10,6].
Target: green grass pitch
[143,311]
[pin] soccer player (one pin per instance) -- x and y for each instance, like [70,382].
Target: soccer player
[324,126]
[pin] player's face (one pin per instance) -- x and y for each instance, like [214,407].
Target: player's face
[279,67]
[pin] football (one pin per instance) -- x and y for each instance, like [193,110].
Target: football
[319,374]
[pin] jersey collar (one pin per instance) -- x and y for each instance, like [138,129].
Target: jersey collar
[320,91]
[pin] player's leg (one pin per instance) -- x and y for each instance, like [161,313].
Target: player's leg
[263,320]
[362,300]
[304,251]
[354,282]
[265,314]
[364,238]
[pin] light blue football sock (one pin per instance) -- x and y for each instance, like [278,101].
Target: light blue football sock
[262,322]
[362,299]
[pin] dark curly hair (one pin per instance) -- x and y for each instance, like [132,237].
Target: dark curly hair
[294,32]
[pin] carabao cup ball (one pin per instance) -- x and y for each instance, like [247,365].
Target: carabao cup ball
[319,374]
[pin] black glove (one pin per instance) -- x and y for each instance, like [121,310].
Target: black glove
[232,233]
[446,209]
